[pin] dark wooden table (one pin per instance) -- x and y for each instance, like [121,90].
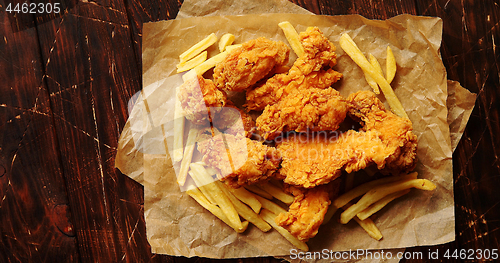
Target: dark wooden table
[65,81]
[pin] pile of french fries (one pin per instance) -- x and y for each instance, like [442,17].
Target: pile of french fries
[259,204]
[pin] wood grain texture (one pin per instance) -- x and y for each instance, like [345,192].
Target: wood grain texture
[67,80]
[35,218]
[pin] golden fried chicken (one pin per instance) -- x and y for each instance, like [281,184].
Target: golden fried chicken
[200,98]
[232,120]
[309,109]
[238,160]
[251,62]
[309,71]
[395,132]
[307,212]
[385,140]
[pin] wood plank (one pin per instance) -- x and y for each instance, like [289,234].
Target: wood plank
[35,219]
[141,11]
[91,73]
[367,8]
[470,55]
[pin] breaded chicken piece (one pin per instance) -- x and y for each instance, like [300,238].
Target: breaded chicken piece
[251,62]
[200,98]
[395,132]
[232,120]
[385,140]
[307,212]
[242,161]
[311,70]
[309,109]
[310,160]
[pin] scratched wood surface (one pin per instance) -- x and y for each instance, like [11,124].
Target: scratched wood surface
[66,80]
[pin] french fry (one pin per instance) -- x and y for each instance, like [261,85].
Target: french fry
[202,200]
[293,37]
[277,193]
[230,48]
[369,227]
[204,190]
[216,192]
[346,43]
[198,48]
[187,65]
[362,189]
[375,207]
[381,191]
[376,65]
[244,211]
[256,190]
[390,65]
[211,171]
[269,217]
[205,66]
[188,155]
[246,197]
[225,40]
[179,121]
[271,206]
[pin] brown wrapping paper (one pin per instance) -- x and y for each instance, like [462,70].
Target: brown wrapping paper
[176,225]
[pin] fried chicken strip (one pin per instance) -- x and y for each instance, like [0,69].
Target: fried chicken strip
[232,120]
[307,212]
[308,71]
[310,109]
[385,140]
[200,98]
[395,132]
[238,160]
[249,63]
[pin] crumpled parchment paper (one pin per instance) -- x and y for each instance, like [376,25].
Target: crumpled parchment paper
[176,225]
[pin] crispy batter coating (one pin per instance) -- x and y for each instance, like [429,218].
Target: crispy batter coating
[246,65]
[309,109]
[200,98]
[307,212]
[396,132]
[385,140]
[242,161]
[308,71]
[232,120]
